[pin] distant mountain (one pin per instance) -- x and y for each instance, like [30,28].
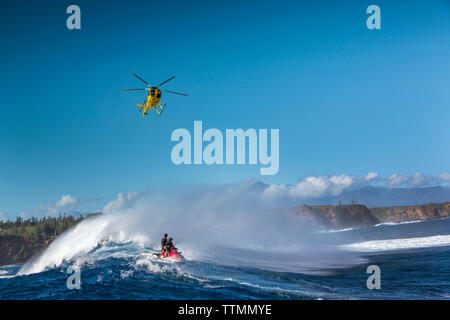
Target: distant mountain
[369,196]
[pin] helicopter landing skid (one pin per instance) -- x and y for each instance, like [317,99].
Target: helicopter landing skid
[160,111]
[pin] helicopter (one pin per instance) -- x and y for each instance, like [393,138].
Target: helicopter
[153,96]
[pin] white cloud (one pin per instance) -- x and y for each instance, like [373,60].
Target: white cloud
[416,180]
[396,180]
[66,200]
[445,176]
[66,203]
[324,186]
[371,176]
[122,201]
[311,187]
[420,180]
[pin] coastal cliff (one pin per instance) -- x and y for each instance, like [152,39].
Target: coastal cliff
[412,213]
[21,239]
[340,216]
[17,249]
[358,216]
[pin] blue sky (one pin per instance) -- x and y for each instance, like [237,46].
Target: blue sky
[346,99]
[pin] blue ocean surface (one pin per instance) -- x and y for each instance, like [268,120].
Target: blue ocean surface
[414,259]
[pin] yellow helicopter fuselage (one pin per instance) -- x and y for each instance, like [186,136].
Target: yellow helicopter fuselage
[153,97]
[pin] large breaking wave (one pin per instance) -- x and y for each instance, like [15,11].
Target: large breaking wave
[226,226]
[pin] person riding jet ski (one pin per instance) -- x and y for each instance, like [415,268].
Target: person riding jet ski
[168,247]
[164,241]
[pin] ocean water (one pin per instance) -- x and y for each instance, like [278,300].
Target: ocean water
[414,259]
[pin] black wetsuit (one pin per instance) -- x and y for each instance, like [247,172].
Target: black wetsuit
[169,246]
[163,242]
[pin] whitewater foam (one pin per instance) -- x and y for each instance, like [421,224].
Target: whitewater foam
[75,244]
[215,215]
[335,230]
[407,222]
[398,244]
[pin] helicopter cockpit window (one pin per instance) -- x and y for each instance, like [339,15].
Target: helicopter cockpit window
[158,95]
[152,92]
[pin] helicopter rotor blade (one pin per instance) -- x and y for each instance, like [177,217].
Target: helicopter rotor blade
[133,89]
[134,74]
[164,82]
[173,92]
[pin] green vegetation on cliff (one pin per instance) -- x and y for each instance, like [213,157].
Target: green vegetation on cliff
[33,228]
[411,213]
[21,239]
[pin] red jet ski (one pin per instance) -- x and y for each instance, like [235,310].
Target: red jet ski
[173,255]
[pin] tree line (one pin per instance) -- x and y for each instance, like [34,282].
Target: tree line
[40,228]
